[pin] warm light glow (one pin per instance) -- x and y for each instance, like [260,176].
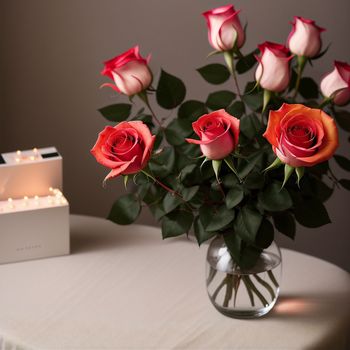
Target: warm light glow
[26,203]
[35,150]
[293,306]
[18,153]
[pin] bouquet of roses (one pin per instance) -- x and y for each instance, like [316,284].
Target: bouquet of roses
[240,164]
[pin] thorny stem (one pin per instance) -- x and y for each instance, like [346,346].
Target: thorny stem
[301,64]
[170,190]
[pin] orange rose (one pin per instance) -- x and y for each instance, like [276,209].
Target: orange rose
[301,136]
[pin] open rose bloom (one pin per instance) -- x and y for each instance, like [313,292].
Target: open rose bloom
[129,71]
[336,84]
[224,28]
[301,136]
[305,38]
[272,72]
[124,148]
[218,132]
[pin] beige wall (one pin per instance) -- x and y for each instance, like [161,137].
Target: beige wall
[51,53]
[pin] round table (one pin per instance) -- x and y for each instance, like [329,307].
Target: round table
[123,287]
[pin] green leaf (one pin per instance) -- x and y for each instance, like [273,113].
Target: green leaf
[220,99]
[163,163]
[116,112]
[247,165]
[254,181]
[342,162]
[247,224]
[345,183]
[254,101]
[146,118]
[230,180]
[249,256]
[237,109]
[265,234]
[201,234]
[177,131]
[125,210]
[285,223]
[189,192]
[187,171]
[308,88]
[171,91]
[214,73]
[343,119]
[275,198]
[214,219]
[191,110]
[311,213]
[234,196]
[250,125]
[247,62]
[234,244]
[170,202]
[176,223]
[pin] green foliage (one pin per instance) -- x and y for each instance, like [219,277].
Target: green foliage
[220,99]
[191,110]
[247,62]
[171,91]
[125,210]
[275,198]
[214,73]
[116,112]
[236,197]
[176,223]
[308,88]
[237,109]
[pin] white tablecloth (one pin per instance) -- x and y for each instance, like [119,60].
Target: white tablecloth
[125,288]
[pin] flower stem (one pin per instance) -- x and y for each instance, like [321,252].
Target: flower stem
[273,278]
[255,290]
[266,285]
[229,290]
[143,96]
[301,64]
[325,102]
[250,293]
[229,55]
[170,190]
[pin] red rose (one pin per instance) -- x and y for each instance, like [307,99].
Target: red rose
[129,71]
[336,84]
[305,37]
[224,28]
[272,72]
[301,136]
[125,148]
[218,132]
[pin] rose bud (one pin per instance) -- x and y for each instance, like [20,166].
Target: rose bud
[301,136]
[218,132]
[124,148]
[129,71]
[272,72]
[336,84]
[305,38]
[224,28]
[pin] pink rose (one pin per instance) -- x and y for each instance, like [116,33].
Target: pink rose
[224,28]
[218,132]
[124,148]
[305,38]
[336,84]
[301,136]
[129,71]
[272,72]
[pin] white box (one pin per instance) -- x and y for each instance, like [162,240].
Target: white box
[30,173]
[33,228]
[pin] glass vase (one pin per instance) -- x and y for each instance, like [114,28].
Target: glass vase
[242,293]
